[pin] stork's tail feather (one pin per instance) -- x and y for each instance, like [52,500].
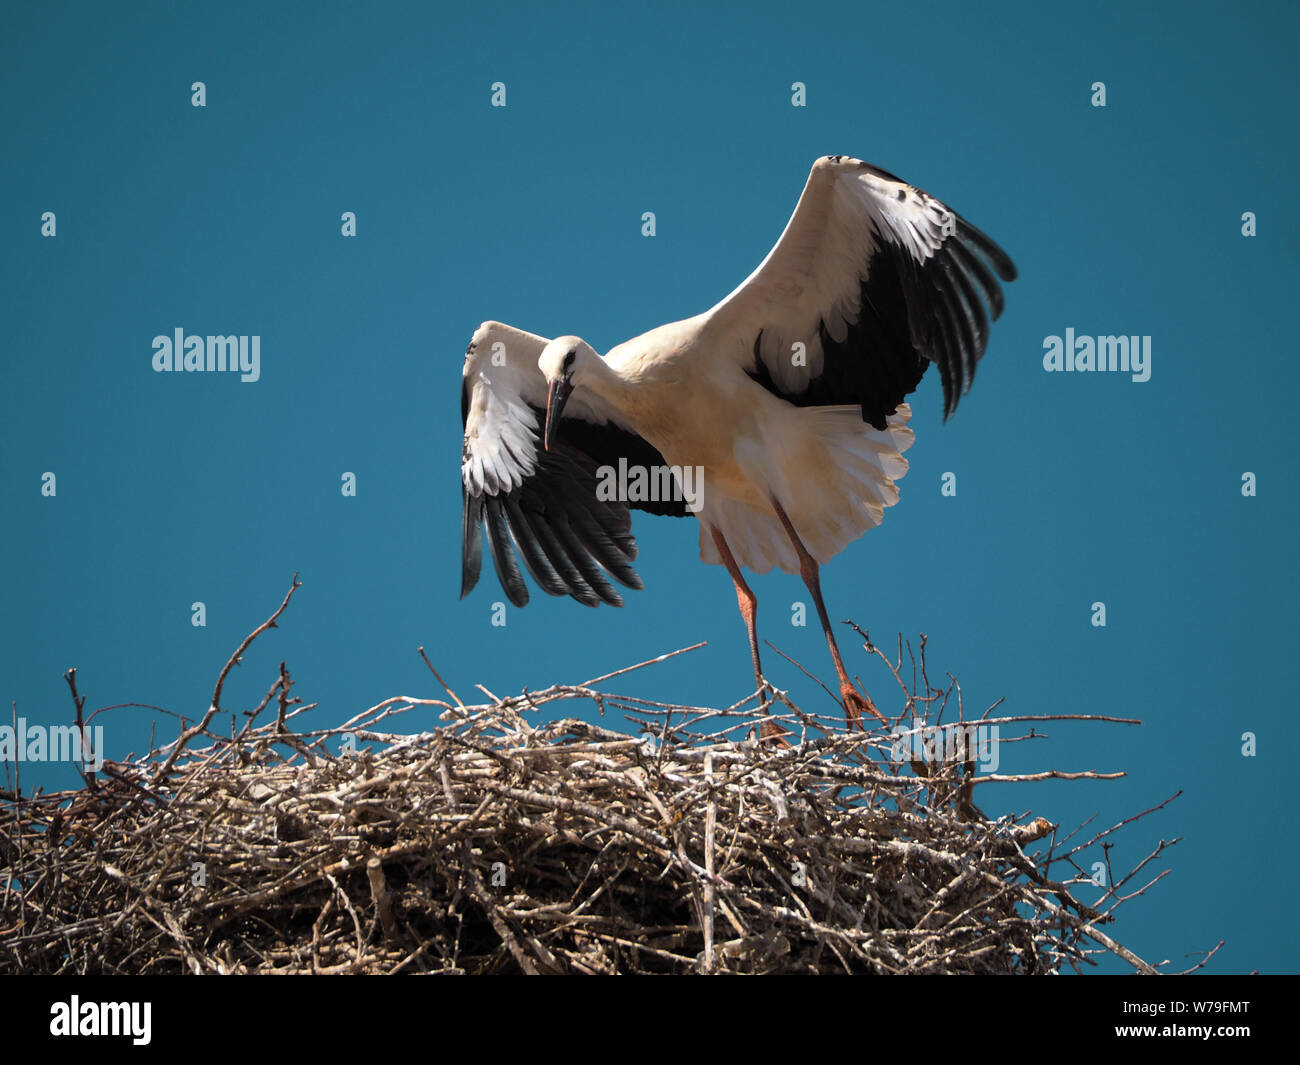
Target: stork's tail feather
[837,490]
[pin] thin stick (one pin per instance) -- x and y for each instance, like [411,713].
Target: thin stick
[215,708]
[642,665]
[454,696]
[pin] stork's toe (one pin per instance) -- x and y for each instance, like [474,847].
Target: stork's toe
[855,703]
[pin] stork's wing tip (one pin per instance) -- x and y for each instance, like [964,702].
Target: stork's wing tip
[468,579]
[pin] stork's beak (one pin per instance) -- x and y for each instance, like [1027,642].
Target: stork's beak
[557,395]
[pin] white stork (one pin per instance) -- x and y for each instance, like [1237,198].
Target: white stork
[788,395]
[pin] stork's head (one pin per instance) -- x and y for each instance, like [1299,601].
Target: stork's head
[564,363]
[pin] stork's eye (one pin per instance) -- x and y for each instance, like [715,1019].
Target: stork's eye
[568,359]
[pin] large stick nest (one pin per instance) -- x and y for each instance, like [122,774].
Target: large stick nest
[503,842]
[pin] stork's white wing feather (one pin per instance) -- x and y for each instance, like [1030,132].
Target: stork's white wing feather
[871,278]
[503,390]
[543,503]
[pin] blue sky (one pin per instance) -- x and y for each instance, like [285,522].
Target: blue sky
[1072,488]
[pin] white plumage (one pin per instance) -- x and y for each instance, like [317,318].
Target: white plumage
[788,396]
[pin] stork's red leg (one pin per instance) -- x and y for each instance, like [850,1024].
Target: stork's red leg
[748,603]
[854,701]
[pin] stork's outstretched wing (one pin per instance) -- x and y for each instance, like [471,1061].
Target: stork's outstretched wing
[543,502]
[873,278]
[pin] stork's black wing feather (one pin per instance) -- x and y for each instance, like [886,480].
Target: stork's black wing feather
[570,540]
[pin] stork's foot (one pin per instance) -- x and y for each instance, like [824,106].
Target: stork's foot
[854,705]
[770,732]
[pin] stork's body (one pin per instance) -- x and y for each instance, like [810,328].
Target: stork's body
[787,396]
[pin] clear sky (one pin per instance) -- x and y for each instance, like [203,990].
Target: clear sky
[1072,489]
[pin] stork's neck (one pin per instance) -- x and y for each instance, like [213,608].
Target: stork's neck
[613,387]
